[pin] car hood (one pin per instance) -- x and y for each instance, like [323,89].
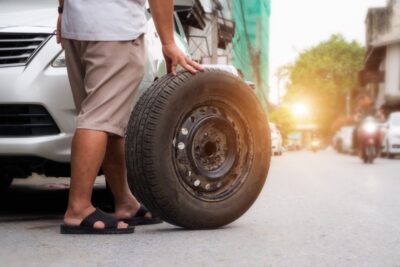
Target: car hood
[28,16]
[395,130]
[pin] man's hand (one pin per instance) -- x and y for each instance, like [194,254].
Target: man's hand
[174,57]
[58,32]
[162,12]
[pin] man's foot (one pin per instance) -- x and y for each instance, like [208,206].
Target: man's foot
[140,218]
[135,214]
[75,218]
[98,216]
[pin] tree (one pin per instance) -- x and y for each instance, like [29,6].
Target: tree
[323,75]
[283,118]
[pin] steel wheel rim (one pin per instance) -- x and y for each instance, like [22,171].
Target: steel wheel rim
[212,151]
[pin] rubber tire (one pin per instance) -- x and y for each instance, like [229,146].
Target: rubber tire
[388,154]
[5,182]
[151,174]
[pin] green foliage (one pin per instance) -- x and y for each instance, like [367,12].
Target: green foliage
[323,75]
[283,118]
[251,43]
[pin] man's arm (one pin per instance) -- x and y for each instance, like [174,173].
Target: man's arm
[58,32]
[162,12]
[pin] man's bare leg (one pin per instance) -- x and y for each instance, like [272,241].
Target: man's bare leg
[87,154]
[114,168]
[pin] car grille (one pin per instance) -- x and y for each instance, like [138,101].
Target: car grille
[25,121]
[17,48]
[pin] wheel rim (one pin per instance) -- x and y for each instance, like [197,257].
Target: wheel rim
[212,151]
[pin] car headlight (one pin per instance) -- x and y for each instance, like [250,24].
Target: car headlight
[315,143]
[59,61]
[370,127]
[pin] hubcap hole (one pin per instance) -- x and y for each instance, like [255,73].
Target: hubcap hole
[210,148]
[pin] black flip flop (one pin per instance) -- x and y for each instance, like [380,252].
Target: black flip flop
[140,219]
[87,225]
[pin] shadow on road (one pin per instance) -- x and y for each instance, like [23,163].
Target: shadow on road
[26,201]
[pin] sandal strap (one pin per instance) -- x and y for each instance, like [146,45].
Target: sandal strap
[100,216]
[141,212]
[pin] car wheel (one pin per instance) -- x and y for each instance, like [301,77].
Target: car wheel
[388,154]
[198,149]
[5,182]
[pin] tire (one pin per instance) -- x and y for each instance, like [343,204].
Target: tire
[388,154]
[5,182]
[340,147]
[371,153]
[198,149]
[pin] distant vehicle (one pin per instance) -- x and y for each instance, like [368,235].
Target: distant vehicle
[343,140]
[315,145]
[391,136]
[294,145]
[368,136]
[276,140]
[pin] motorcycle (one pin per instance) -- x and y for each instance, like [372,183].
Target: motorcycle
[315,145]
[369,140]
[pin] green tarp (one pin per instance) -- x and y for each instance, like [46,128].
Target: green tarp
[251,43]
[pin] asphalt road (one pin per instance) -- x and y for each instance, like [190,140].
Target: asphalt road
[320,209]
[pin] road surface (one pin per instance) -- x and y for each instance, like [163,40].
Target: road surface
[321,209]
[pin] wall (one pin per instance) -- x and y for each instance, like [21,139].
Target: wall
[383,25]
[203,44]
[392,73]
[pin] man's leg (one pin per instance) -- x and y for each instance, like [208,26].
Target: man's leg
[114,168]
[87,154]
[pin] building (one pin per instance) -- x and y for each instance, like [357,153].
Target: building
[209,29]
[251,43]
[230,33]
[381,74]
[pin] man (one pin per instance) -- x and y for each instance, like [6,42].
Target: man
[364,109]
[104,49]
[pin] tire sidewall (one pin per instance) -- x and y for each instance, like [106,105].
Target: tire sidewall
[201,88]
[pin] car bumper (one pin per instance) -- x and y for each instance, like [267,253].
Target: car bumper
[40,84]
[276,147]
[395,148]
[55,148]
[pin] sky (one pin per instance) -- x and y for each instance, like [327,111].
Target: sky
[297,25]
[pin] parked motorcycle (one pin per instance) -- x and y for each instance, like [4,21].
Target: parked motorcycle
[369,140]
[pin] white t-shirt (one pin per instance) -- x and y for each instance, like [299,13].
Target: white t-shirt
[103,20]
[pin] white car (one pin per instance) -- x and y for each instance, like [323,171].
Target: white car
[344,140]
[391,131]
[276,140]
[37,113]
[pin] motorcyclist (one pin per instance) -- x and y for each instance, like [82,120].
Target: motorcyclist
[365,110]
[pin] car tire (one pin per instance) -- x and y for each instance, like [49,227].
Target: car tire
[5,182]
[198,149]
[388,154]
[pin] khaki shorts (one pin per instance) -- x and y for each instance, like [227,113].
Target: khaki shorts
[104,78]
